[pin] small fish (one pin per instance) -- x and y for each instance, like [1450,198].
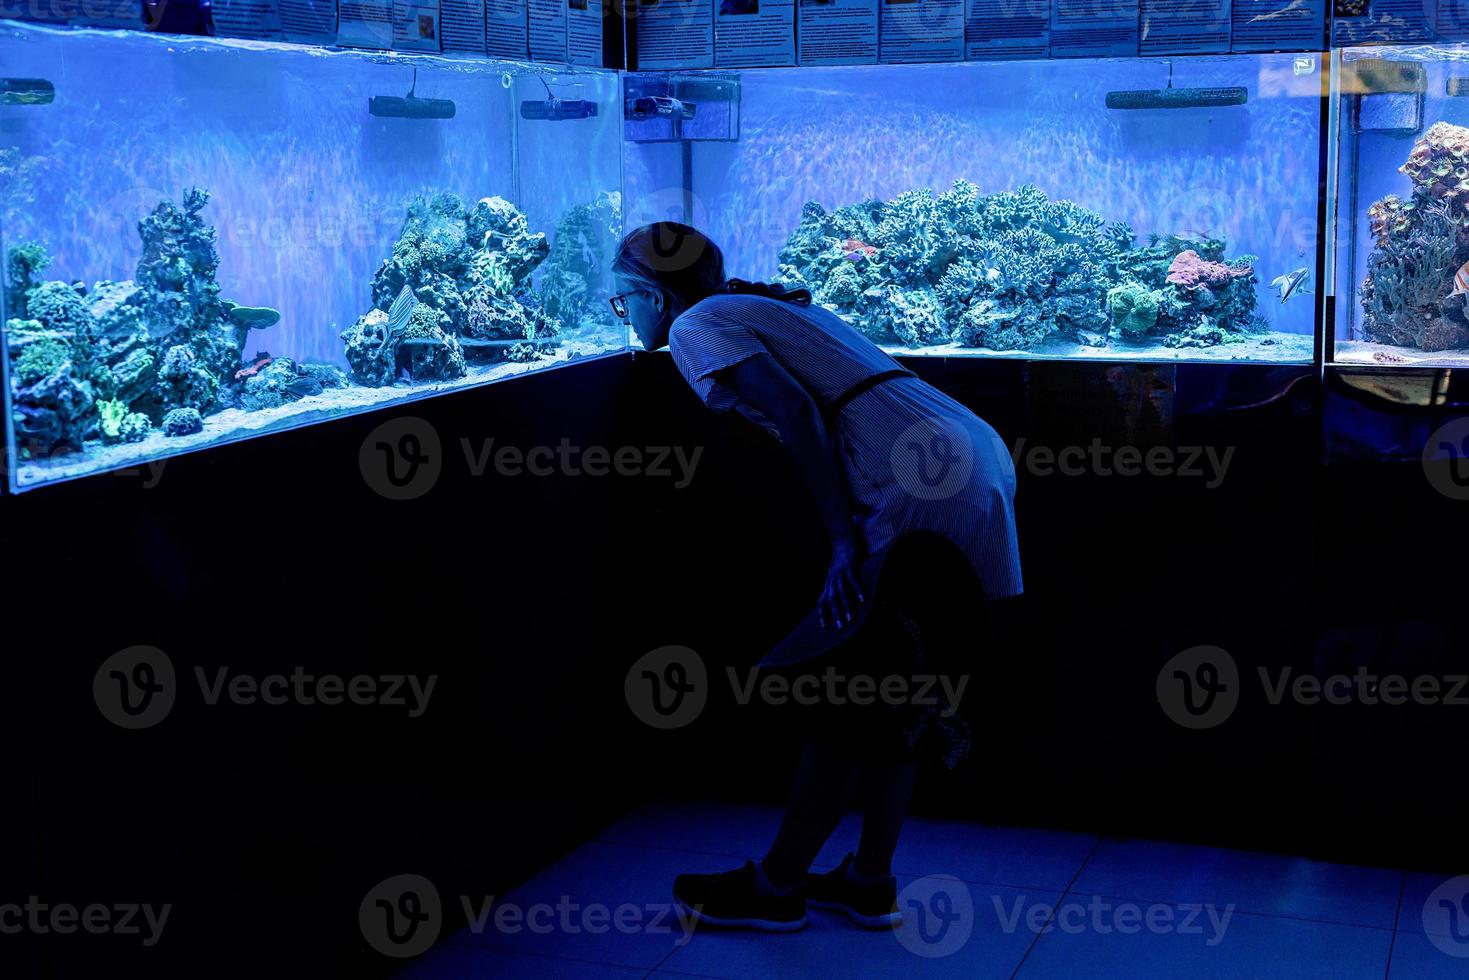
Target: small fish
[1292,283]
[1461,280]
[398,315]
[857,249]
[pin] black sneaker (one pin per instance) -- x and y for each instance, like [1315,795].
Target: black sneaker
[873,905]
[731,899]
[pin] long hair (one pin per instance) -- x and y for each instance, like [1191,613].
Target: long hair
[681,261]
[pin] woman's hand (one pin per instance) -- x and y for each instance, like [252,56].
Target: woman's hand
[843,589]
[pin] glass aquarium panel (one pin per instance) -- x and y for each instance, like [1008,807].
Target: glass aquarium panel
[1401,246]
[1137,209]
[208,240]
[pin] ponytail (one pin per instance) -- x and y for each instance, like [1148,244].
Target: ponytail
[799,296]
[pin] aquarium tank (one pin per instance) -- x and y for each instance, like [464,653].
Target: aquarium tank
[1401,179]
[1138,209]
[206,240]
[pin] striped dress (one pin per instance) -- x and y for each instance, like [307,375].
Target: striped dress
[915,459]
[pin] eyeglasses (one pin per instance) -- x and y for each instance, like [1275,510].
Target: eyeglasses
[619,302]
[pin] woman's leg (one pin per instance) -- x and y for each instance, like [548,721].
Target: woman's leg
[824,786]
[886,792]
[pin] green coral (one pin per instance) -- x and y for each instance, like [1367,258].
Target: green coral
[111,415]
[1134,308]
[39,358]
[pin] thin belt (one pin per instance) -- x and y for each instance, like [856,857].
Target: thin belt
[834,409]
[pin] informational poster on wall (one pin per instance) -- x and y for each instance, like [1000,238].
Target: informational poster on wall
[913,31]
[584,20]
[365,23]
[1094,28]
[416,25]
[1381,21]
[836,32]
[258,20]
[1452,20]
[675,34]
[1000,29]
[548,30]
[462,26]
[754,33]
[1185,27]
[309,21]
[507,29]
[1278,25]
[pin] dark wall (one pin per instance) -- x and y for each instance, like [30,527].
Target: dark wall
[264,826]
[528,598]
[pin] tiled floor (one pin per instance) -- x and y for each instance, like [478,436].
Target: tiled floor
[982,902]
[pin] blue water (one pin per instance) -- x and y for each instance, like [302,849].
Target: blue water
[308,190]
[1247,174]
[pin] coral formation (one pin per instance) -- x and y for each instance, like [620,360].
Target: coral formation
[1409,297]
[183,422]
[469,268]
[582,248]
[89,360]
[1008,271]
